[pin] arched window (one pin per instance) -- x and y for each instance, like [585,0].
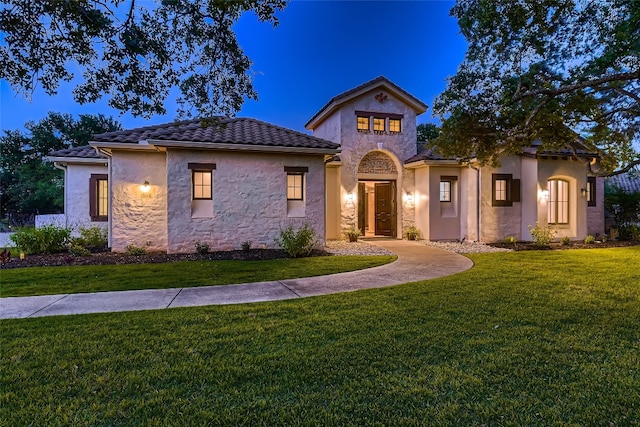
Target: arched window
[558,203]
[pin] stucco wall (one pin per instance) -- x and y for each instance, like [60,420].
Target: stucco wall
[76,197]
[499,222]
[138,218]
[249,199]
[341,127]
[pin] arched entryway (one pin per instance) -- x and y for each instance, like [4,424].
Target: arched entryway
[377,195]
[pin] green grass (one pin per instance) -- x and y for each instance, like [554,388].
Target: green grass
[541,338]
[98,278]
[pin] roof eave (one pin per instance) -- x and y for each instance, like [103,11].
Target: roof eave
[84,160]
[241,147]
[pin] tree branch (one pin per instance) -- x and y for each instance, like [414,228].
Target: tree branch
[570,88]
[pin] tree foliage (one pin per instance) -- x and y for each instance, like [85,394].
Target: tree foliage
[28,182]
[552,70]
[132,51]
[427,131]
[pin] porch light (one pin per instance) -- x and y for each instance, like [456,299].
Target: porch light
[583,192]
[145,187]
[544,195]
[350,197]
[409,197]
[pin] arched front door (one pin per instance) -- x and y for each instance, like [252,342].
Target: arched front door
[377,206]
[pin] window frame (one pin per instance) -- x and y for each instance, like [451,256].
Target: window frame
[95,205]
[507,178]
[394,120]
[201,168]
[361,120]
[379,119]
[591,191]
[450,181]
[295,171]
[554,203]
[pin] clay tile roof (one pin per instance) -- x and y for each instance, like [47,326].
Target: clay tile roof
[427,155]
[219,130]
[628,182]
[346,95]
[84,152]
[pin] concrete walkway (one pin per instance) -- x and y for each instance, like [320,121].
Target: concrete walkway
[415,262]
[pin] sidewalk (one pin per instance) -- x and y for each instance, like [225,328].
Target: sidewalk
[415,262]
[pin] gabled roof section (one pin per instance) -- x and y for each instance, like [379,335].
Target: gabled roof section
[84,152]
[217,132]
[375,84]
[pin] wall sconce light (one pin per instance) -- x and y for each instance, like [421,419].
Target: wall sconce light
[583,192]
[544,195]
[350,197]
[409,197]
[145,187]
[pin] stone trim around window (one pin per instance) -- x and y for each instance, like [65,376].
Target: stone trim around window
[97,199]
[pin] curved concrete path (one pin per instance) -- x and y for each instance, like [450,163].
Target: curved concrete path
[415,262]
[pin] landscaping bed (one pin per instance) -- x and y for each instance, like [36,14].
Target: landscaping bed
[530,246]
[113,258]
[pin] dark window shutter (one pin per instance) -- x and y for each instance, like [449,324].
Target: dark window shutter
[515,190]
[93,197]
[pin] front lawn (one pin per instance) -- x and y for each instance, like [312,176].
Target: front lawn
[527,338]
[98,278]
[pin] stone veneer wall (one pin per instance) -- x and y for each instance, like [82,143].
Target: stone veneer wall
[249,199]
[138,218]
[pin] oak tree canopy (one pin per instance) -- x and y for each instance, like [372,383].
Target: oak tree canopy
[132,52]
[553,70]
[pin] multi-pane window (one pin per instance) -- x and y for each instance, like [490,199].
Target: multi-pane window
[363,123]
[394,125]
[295,186]
[202,185]
[102,197]
[591,191]
[445,191]
[378,124]
[558,203]
[504,189]
[99,197]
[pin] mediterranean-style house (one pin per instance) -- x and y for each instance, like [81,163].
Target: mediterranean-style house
[230,180]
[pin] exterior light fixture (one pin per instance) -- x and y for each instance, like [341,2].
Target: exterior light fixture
[544,195]
[583,192]
[145,187]
[409,197]
[350,197]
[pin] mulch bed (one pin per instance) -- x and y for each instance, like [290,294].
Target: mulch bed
[112,258]
[529,246]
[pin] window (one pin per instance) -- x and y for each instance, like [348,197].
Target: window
[201,185]
[295,186]
[394,125]
[591,191]
[505,190]
[99,197]
[202,180]
[363,124]
[445,191]
[378,124]
[558,203]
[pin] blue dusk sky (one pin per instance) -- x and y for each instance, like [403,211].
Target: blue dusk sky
[319,49]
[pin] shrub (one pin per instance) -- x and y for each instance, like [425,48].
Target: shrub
[613,233]
[412,232]
[202,247]
[246,246]
[5,256]
[353,233]
[44,240]
[92,238]
[298,243]
[77,250]
[589,239]
[630,232]
[565,241]
[510,240]
[135,250]
[542,236]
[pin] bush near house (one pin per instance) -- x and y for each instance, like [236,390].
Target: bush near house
[94,239]
[624,208]
[44,240]
[297,243]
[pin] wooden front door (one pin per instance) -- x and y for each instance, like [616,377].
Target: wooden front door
[385,209]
